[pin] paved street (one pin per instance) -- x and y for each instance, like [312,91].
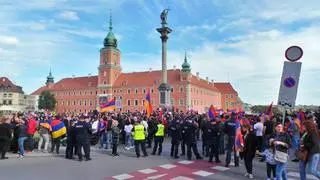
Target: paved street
[105,167]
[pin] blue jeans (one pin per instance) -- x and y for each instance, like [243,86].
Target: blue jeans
[129,140]
[314,165]
[103,138]
[21,145]
[109,139]
[281,171]
[302,170]
[295,142]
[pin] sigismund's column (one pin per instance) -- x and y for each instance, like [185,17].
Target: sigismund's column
[164,87]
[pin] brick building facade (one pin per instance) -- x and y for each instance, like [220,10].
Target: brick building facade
[82,94]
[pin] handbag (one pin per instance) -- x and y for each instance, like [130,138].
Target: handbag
[302,154]
[279,156]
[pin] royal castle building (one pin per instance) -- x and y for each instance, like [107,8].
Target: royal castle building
[188,91]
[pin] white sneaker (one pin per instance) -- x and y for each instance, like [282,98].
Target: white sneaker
[246,174]
[251,176]
[127,148]
[21,156]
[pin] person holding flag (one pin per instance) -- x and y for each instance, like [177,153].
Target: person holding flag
[58,130]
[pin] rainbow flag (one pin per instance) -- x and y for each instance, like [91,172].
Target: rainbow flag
[147,105]
[58,129]
[109,106]
[212,113]
[45,124]
[239,139]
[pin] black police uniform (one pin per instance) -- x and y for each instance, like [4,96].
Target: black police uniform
[213,133]
[184,128]
[5,138]
[71,142]
[83,131]
[205,137]
[191,141]
[175,133]
[230,131]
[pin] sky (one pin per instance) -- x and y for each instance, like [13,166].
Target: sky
[237,41]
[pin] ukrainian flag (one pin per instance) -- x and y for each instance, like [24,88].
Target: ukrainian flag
[110,106]
[58,129]
[147,105]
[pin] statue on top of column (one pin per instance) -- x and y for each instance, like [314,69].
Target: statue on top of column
[163,16]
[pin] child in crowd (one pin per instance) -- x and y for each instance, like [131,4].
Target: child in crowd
[270,162]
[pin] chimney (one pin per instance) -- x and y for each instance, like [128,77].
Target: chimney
[89,74]
[174,67]
[150,69]
[212,81]
[73,76]
[198,74]
[207,79]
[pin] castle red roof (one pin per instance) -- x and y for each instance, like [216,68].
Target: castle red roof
[203,83]
[71,84]
[225,88]
[148,78]
[134,79]
[7,86]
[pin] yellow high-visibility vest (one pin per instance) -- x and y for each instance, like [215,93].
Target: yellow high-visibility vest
[160,131]
[139,133]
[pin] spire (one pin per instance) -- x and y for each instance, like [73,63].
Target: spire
[110,21]
[186,65]
[185,56]
[110,40]
[50,78]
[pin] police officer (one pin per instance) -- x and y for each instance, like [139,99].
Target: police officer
[183,136]
[71,140]
[83,132]
[213,133]
[175,133]
[158,138]
[230,131]
[204,126]
[139,136]
[190,128]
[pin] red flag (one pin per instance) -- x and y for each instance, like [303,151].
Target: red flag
[269,112]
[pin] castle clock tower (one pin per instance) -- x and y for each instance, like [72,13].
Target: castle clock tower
[109,68]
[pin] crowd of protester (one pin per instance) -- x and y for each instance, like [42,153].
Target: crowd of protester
[267,137]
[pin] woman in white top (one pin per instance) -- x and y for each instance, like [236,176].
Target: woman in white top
[129,140]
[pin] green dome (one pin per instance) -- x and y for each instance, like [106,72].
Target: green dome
[50,78]
[110,40]
[186,66]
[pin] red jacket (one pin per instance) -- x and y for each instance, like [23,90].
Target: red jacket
[32,127]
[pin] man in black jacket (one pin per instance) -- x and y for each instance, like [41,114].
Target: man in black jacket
[230,131]
[5,136]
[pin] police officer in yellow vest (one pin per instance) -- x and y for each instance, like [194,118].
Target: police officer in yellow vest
[139,136]
[158,138]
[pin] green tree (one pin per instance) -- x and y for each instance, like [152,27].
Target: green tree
[264,108]
[47,101]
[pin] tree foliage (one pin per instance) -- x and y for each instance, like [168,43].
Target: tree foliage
[264,108]
[47,101]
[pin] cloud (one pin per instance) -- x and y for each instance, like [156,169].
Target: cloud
[9,40]
[68,15]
